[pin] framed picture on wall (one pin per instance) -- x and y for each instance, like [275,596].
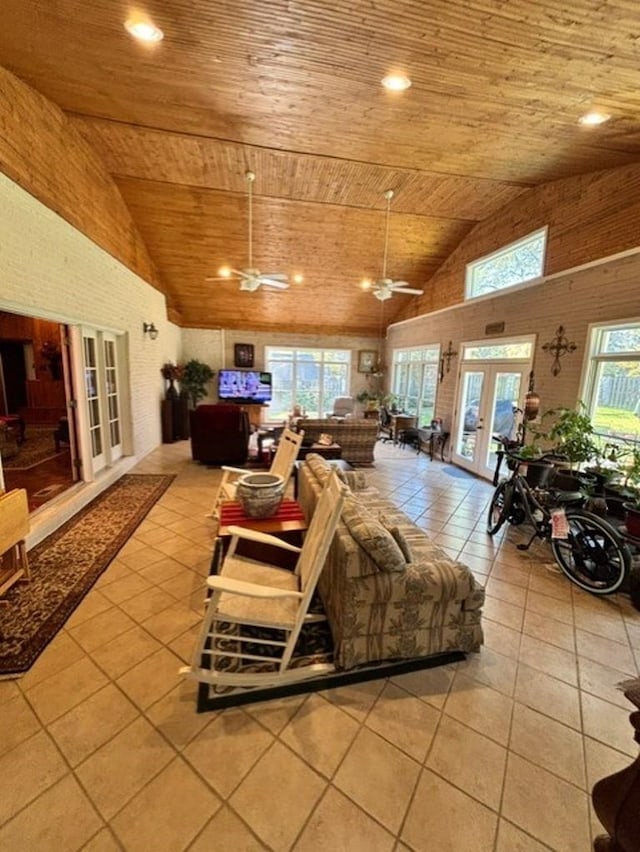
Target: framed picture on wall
[243,354]
[366,360]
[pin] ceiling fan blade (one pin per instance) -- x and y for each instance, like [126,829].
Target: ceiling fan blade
[412,291]
[275,276]
[221,278]
[270,282]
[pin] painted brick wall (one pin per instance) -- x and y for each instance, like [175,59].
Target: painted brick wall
[51,270]
[607,292]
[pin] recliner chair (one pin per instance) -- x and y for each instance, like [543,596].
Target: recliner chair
[219,434]
[342,406]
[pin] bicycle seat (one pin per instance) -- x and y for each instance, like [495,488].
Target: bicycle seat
[563,498]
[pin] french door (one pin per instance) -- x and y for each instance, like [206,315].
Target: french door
[102,397]
[489,395]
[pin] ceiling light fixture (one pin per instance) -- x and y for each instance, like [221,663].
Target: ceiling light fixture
[298,278]
[143,30]
[224,272]
[592,119]
[366,283]
[396,82]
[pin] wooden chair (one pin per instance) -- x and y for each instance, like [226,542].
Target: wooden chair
[250,594]
[14,528]
[282,465]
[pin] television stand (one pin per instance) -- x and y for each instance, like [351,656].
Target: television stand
[255,412]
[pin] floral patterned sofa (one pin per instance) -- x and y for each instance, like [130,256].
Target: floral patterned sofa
[387,590]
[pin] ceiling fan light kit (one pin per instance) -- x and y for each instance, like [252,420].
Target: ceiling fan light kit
[251,279]
[384,287]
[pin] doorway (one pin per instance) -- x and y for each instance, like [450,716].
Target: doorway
[491,388]
[35,452]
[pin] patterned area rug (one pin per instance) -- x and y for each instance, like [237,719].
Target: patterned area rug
[66,565]
[38,446]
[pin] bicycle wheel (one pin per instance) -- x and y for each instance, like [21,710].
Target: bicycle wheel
[594,556]
[499,508]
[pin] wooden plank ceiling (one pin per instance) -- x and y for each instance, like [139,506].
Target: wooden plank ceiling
[292,91]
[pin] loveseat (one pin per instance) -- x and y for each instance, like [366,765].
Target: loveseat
[388,591]
[356,436]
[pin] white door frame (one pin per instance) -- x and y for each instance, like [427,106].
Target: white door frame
[490,367]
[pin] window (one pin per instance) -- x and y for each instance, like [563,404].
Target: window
[612,383]
[511,265]
[311,378]
[415,380]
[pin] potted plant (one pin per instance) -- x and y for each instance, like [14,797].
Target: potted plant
[195,375]
[570,437]
[632,506]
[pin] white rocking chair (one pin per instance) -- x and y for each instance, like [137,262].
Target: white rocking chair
[248,593]
[282,465]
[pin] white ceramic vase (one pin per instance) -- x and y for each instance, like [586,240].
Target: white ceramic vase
[260,494]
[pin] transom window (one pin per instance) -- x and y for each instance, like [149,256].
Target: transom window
[310,378]
[516,349]
[415,381]
[612,382]
[520,261]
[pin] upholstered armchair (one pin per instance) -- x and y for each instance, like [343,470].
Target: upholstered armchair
[219,434]
[342,407]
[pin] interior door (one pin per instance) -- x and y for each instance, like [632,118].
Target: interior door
[488,399]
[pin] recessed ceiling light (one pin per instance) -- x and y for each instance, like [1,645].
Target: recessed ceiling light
[143,30]
[298,278]
[591,119]
[365,283]
[396,82]
[224,272]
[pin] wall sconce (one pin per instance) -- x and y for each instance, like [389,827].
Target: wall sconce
[150,329]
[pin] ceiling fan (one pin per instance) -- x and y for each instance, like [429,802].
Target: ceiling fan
[384,287]
[250,278]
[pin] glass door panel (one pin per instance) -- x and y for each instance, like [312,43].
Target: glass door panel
[92,388]
[469,416]
[111,391]
[507,392]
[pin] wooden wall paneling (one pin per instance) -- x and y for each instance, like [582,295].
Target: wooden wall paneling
[589,217]
[44,154]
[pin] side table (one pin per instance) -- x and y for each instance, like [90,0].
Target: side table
[436,440]
[331,451]
[288,523]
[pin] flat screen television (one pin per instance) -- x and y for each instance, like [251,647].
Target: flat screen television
[244,386]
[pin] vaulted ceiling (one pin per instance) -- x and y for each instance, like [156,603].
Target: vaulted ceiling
[291,90]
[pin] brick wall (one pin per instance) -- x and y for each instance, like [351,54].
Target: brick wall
[606,292]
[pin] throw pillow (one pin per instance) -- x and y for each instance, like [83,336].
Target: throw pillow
[372,536]
[399,538]
[355,479]
[318,466]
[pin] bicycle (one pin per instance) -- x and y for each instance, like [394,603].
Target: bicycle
[586,547]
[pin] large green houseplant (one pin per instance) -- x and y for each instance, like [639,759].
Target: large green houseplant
[570,436]
[195,375]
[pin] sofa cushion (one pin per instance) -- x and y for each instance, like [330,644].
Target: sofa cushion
[318,467]
[399,538]
[372,536]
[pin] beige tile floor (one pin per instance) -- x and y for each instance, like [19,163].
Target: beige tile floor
[101,748]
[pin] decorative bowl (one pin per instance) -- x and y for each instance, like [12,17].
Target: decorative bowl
[260,494]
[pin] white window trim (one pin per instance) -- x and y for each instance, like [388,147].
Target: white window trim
[470,267]
[591,355]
